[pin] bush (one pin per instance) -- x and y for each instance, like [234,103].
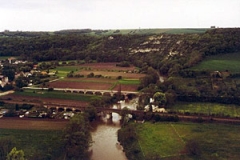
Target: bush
[193,148]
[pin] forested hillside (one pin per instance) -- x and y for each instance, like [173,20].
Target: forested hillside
[172,55]
[166,52]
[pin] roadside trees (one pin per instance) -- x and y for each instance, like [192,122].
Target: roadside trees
[160,98]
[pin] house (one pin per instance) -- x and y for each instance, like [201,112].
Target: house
[3,80]
[11,60]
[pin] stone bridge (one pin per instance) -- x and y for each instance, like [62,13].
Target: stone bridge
[61,108]
[96,92]
[89,91]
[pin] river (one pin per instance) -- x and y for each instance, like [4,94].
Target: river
[104,135]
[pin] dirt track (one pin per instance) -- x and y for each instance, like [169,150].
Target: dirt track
[32,124]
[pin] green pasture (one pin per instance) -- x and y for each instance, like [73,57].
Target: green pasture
[168,140]
[35,142]
[159,139]
[186,30]
[155,31]
[62,71]
[57,95]
[221,62]
[129,81]
[208,108]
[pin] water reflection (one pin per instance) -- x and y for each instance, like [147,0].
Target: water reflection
[104,134]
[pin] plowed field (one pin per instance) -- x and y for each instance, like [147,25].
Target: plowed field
[80,85]
[32,123]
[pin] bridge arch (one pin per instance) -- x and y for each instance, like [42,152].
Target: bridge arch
[107,94]
[69,109]
[98,93]
[81,92]
[89,92]
[60,109]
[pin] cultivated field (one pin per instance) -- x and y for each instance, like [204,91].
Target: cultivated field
[32,124]
[54,97]
[108,77]
[168,140]
[81,85]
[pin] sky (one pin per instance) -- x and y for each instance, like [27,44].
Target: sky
[54,15]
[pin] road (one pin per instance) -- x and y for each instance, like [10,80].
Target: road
[6,93]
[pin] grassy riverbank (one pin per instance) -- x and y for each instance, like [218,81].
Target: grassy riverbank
[172,140]
[216,109]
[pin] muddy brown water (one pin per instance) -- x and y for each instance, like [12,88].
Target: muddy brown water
[104,134]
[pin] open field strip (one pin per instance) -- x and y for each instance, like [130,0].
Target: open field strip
[208,108]
[45,141]
[159,139]
[222,62]
[57,95]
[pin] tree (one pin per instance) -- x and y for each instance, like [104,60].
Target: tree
[160,98]
[21,82]
[77,137]
[15,154]
[91,113]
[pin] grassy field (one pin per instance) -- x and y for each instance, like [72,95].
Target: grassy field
[129,81]
[168,140]
[159,139]
[154,31]
[208,108]
[39,142]
[223,62]
[58,95]
[62,71]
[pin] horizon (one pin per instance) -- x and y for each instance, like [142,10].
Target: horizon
[112,29]
[52,15]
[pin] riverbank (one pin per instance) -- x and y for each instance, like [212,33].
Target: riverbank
[185,140]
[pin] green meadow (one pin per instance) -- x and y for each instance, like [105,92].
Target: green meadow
[168,140]
[207,108]
[129,81]
[58,95]
[62,71]
[220,62]
[35,143]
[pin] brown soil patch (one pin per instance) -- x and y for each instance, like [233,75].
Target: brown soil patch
[32,124]
[28,99]
[80,85]
[125,87]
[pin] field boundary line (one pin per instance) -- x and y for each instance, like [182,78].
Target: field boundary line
[177,132]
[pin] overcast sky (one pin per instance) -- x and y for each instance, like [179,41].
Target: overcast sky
[52,15]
